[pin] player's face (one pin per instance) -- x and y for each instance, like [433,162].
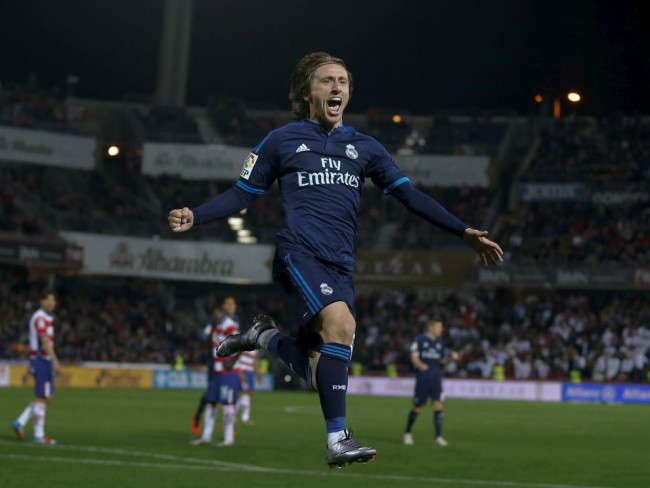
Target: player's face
[229,307]
[217,315]
[436,328]
[48,303]
[329,95]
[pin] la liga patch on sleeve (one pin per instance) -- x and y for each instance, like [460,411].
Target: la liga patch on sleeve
[249,164]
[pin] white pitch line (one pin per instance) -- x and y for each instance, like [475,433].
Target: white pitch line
[109,462]
[228,466]
[153,455]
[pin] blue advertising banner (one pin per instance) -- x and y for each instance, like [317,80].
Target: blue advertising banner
[198,380]
[550,192]
[180,380]
[597,393]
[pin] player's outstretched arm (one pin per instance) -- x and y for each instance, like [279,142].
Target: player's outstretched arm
[490,251]
[180,219]
[227,203]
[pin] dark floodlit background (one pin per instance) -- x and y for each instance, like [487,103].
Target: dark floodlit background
[413,55]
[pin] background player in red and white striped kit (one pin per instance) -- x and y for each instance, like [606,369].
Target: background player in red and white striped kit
[43,364]
[248,366]
[224,384]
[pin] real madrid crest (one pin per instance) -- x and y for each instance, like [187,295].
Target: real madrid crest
[351,152]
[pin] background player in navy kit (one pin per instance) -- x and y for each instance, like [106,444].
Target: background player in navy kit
[428,354]
[321,166]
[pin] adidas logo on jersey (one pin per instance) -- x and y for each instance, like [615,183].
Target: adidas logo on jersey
[302,148]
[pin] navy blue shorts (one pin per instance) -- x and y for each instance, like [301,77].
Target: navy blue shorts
[425,387]
[250,380]
[229,388]
[43,373]
[309,285]
[223,388]
[212,393]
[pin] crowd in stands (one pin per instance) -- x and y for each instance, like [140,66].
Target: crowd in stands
[237,126]
[118,320]
[603,337]
[595,150]
[38,200]
[548,335]
[29,107]
[607,220]
[471,134]
[165,124]
[13,218]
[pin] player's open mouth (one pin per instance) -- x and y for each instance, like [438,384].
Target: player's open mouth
[334,105]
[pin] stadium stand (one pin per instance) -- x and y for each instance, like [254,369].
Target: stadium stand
[30,107]
[164,124]
[540,335]
[603,214]
[537,333]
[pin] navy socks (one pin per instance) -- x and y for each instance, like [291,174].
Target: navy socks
[331,374]
[437,421]
[413,415]
[332,381]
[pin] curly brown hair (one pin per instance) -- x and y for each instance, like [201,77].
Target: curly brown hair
[301,81]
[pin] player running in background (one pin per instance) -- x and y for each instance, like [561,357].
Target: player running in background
[321,166]
[428,353]
[43,363]
[248,366]
[224,383]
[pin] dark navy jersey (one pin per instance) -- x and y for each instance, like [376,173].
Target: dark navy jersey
[320,177]
[430,351]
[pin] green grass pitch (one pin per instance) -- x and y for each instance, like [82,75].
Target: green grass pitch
[123,438]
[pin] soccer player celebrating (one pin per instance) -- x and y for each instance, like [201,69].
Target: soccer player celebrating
[428,352]
[43,364]
[321,166]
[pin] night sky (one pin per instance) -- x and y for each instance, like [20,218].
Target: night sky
[408,55]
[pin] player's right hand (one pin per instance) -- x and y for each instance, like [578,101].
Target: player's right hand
[56,366]
[180,219]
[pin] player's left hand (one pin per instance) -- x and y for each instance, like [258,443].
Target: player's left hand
[489,251]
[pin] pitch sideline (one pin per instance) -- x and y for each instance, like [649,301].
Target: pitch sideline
[215,465]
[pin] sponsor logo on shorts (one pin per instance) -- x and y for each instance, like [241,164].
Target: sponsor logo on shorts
[339,387]
[249,164]
[325,289]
